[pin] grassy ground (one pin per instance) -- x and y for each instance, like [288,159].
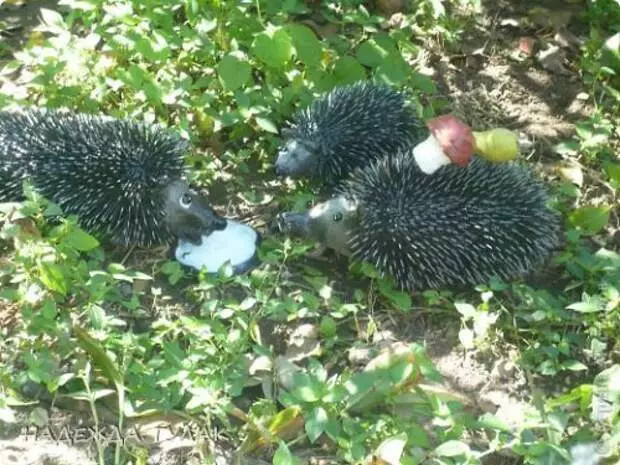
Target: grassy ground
[305,358]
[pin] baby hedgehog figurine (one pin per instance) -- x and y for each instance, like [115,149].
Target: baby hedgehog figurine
[346,128]
[353,125]
[450,226]
[122,179]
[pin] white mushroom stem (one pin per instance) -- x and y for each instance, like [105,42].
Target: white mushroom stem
[429,155]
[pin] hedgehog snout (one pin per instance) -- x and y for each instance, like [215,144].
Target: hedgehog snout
[293,223]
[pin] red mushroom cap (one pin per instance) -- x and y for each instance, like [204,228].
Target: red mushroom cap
[455,137]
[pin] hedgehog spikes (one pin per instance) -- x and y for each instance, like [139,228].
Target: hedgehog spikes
[347,128]
[122,179]
[457,226]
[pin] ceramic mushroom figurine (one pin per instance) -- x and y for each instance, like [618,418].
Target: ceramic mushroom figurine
[451,141]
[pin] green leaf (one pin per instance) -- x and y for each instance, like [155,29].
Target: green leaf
[613,172]
[81,240]
[423,83]
[283,455]
[490,421]
[393,70]
[391,449]
[369,53]
[275,51]
[452,449]
[347,70]
[96,352]
[591,305]
[53,278]
[465,309]
[328,327]
[233,72]
[307,46]
[315,423]
[266,124]
[574,365]
[590,220]
[466,336]
[53,20]
[401,299]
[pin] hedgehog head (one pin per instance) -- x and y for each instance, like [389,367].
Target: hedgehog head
[187,214]
[296,158]
[329,223]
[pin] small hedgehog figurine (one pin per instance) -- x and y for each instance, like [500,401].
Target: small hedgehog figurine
[358,123]
[347,128]
[456,226]
[123,180]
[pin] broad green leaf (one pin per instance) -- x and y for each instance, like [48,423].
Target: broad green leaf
[613,172]
[315,424]
[391,449]
[452,449]
[7,415]
[307,46]
[401,299]
[466,336]
[423,83]
[266,124]
[574,365]
[275,51]
[233,72]
[393,70]
[283,455]
[465,309]
[81,240]
[347,70]
[369,53]
[53,20]
[53,278]
[592,305]
[490,421]
[590,220]
[328,327]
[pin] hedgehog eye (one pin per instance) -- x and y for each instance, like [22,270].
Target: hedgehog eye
[337,217]
[185,200]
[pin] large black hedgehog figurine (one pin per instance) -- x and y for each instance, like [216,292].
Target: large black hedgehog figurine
[456,225]
[123,179]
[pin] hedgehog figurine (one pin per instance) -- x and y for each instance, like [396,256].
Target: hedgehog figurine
[346,128]
[358,123]
[122,179]
[455,226]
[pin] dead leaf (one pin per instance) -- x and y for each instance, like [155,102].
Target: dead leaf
[509,22]
[567,39]
[552,59]
[526,45]
[546,18]
[572,172]
[284,371]
[389,7]
[321,30]
[303,343]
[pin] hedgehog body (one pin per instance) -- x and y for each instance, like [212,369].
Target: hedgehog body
[457,226]
[117,176]
[347,128]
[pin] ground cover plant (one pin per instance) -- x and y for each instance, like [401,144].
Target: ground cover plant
[308,359]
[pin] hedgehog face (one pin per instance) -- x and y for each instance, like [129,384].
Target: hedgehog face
[328,223]
[295,159]
[188,215]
